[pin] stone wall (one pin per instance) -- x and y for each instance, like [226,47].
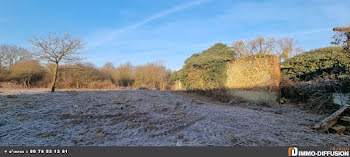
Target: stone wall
[255,78]
[254,73]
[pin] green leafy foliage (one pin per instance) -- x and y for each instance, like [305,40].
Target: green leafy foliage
[206,70]
[216,54]
[315,63]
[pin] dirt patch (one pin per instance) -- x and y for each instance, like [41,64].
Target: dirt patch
[150,118]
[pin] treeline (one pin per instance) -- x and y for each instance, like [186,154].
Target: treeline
[151,75]
[284,47]
[20,68]
[26,69]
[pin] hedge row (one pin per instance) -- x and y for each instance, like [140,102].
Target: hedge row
[315,63]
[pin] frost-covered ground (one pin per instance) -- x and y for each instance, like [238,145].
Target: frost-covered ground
[145,117]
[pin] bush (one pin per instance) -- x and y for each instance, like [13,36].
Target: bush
[27,71]
[152,76]
[107,72]
[105,84]
[316,63]
[123,75]
[4,75]
[206,70]
[317,95]
[313,77]
[218,53]
[78,76]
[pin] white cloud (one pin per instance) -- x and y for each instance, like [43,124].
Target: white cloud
[113,33]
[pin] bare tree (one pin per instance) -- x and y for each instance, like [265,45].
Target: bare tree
[108,68]
[288,47]
[240,48]
[57,48]
[10,54]
[124,75]
[259,45]
[262,45]
[152,75]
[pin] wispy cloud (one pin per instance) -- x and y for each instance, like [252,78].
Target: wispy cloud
[112,34]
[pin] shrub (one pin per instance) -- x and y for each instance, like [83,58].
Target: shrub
[123,75]
[105,84]
[78,76]
[4,75]
[27,71]
[107,72]
[206,70]
[152,76]
[315,63]
[317,94]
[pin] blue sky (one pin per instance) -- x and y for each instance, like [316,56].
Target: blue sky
[142,31]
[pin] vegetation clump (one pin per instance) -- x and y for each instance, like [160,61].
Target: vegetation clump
[315,63]
[206,70]
[311,78]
